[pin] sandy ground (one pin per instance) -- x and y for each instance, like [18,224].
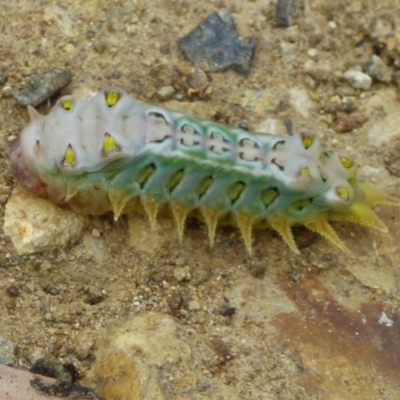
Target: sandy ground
[323,325]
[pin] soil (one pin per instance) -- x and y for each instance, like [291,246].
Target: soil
[323,325]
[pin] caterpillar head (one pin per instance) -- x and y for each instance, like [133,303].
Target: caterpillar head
[24,153]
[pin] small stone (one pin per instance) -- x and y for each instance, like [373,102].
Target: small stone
[348,122]
[13,291]
[182,274]
[313,54]
[285,11]
[84,346]
[3,79]
[35,224]
[378,70]
[40,87]
[7,349]
[45,367]
[358,79]
[70,48]
[96,233]
[175,302]
[228,310]
[94,296]
[52,290]
[380,29]
[166,93]
[6,91]
[194,305]
[332,25]
[301,101]
[36,354]
[214,45]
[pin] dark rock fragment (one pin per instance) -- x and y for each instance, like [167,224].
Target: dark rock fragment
[214,45]
[40,87]
[286,10]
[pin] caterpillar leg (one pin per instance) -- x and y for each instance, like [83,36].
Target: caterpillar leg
[283,226]
[320,224]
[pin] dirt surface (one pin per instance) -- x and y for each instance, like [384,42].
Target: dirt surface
[323,325]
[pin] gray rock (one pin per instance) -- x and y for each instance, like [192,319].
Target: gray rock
[7,349]
[214,45]
[358,79]
[378,70]
[286,10]
[40,87]
[166,92]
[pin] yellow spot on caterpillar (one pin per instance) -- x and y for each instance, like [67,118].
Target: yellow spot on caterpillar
[112,98]
[307,141]
[235,191]
[204,186]
[300,204]
[69,158]
[346,162]
[175,180]
[145,174]
[343,193]
[269,196]
[109,145]
[304,173]
[67,104]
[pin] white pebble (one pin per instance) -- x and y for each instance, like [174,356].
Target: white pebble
[313,54]
[358,79]
[34,224]
[332,25]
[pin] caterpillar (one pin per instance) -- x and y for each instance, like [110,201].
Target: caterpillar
[114,153]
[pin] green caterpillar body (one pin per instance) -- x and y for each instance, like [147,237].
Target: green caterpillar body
[114,153]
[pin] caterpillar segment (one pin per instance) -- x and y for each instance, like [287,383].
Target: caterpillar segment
[114,153]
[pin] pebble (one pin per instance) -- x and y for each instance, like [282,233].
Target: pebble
[378,70]
[40,87]
[313,54]
[35,224]
[380,29]
[182,274]
[134,353]
[301,101]
[202,46]
[284,12]
[166,93]
[7,349]
[84,346]
[3,79]
[13,291]
[194,305]
[358,79]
